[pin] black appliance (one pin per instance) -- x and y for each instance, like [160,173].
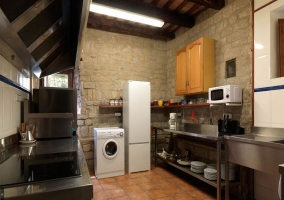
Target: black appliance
[229,127]
[44,161]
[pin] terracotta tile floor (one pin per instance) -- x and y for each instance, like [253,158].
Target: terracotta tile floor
[163,182]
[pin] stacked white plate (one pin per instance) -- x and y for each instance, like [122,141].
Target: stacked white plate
[210,174]
[212,166]
[198,167]
[231,171]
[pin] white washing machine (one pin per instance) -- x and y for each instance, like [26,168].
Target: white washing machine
[109,152]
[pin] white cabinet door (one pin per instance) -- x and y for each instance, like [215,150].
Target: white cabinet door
[16,108]
[1,109]
[7,103]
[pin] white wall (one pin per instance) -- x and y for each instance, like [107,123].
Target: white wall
[10,98]
[269,88]
[268,106]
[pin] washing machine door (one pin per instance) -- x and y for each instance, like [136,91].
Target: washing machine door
[110,149]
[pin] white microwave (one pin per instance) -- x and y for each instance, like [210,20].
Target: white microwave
[226,94]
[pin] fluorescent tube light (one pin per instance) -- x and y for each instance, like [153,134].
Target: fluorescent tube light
[123,14]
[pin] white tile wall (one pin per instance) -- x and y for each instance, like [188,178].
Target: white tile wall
[277,108]
[7,110]
[12,73]
[1,109]
[268,105]
[262,16]
[277,5]
[262,40]
[259,3]
[10,107]
[262,105]
[262,71]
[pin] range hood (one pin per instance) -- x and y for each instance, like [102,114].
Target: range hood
[42,36]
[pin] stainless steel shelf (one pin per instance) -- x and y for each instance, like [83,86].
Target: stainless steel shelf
[188,171]
[163,107]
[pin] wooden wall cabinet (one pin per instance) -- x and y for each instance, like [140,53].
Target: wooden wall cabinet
[195,67]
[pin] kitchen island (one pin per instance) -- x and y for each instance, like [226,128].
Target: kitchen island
[24,183]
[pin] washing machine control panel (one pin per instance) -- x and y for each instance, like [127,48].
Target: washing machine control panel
[109,134]
[116,135]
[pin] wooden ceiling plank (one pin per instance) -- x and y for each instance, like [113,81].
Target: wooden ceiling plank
[192,9]
[168,4]
[214,4]
[200,11]
[172,17]
[184,3]
[102,23]
[155,2]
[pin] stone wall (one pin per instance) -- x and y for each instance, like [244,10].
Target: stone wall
[109,59]
[231,28]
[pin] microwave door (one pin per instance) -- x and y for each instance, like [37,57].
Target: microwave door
[217,95]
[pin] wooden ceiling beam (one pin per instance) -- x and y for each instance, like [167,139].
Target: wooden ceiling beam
[214,4]
[172,17]
[112,25]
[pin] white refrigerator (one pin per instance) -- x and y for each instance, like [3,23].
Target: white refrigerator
[136,124]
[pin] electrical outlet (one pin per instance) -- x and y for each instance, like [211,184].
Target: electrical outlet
[227,116]
[117,114]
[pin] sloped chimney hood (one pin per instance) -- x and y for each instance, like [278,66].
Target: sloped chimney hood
[42,35]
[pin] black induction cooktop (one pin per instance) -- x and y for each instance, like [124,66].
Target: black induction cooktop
[24,165]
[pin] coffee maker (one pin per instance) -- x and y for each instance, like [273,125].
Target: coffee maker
[173,121]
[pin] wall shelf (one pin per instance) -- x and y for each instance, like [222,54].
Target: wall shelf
[162,107]
[110,106]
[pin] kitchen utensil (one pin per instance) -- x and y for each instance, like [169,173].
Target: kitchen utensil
[201,119]
[192,120]
[183,120]
[210,120]
[172,121]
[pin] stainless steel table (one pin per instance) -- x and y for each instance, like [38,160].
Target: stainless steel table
[207,132]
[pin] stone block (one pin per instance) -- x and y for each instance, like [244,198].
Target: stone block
[89,155]
[87,147]
[80,116]
[88,122]
[80,122]
[89,85]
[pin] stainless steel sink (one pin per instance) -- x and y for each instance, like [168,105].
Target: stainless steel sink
[262,150]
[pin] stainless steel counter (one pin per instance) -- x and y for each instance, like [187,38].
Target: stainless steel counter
[65,188]
[261,150]
[270,137]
